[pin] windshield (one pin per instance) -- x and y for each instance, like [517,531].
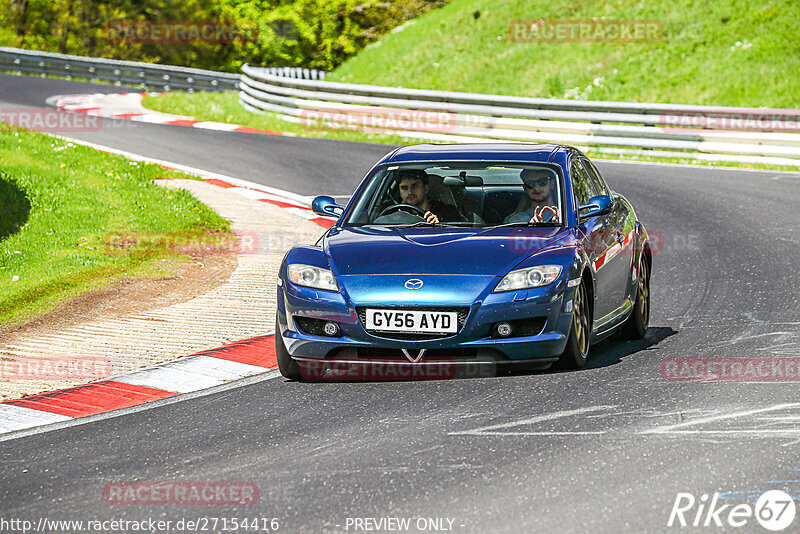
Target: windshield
[460,194]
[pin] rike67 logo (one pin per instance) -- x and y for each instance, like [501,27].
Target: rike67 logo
[774,510]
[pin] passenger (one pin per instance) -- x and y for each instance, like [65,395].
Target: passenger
[538,204]
[414,190]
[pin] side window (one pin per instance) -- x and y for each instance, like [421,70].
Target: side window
[594,176]
[581,184]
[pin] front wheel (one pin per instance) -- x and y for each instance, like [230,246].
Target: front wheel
[636,325]
[577,350]
[286,364]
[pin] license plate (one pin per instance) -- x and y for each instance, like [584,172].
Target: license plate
[413,322]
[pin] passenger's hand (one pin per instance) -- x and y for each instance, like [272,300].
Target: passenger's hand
[431,218]
[538,213]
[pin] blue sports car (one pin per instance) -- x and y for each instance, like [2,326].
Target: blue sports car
[465,256]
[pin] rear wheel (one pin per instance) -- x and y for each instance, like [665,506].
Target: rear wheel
[577,350]
[636,325]
[286,364]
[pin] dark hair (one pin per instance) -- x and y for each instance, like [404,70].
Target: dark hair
[525,173]
[411,174]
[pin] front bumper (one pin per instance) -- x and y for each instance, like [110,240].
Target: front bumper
[474,343]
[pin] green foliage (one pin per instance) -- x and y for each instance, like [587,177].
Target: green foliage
[317,34]
[301,33]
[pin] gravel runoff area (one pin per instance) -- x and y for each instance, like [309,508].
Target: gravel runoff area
[241,306]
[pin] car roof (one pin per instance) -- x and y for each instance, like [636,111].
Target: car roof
[478,151]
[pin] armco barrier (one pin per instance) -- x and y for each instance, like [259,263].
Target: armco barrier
[149,75]
[624,125]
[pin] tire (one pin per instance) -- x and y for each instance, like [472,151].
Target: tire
[577,350]
[636,325]
[288,367]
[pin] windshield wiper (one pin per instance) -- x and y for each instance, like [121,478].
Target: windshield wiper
[427,224]
[526,223]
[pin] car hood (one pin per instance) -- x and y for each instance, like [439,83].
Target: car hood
[425,250]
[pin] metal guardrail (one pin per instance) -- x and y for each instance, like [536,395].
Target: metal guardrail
[148,75]
[295,72]
[470,116]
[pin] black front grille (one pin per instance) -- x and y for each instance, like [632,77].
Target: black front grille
[380,354]
[462,312]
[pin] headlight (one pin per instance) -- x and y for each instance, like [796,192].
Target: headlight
[310,276]
[538,276]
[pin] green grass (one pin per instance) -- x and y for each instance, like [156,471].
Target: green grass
[68,213]
[450,49]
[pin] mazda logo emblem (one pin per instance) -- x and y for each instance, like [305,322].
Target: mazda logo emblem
[413,284]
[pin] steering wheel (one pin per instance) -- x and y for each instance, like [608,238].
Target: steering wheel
[408,208]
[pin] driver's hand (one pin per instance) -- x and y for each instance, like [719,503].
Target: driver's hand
[538,213]
[431,218]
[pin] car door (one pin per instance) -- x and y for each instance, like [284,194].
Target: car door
[618,236]
[594,239]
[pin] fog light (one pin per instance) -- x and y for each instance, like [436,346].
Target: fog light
[331,329]
[503,329]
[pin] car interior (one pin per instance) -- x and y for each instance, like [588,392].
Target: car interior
[481,203]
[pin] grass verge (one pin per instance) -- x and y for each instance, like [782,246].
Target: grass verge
[722,53]
[75,219]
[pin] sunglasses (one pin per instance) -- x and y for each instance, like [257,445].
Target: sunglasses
[541,182]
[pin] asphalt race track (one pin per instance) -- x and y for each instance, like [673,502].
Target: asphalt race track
[604,449]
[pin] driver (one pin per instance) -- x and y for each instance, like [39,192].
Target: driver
[414,189]
[537,204]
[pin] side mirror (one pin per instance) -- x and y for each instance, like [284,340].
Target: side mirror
[599,205]
[326,206]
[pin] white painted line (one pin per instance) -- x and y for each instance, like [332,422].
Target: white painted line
[269,375]
[153,118]
[190,374]
[788,432]
[565,433]
[218,367]
[250,193]
[169,379]
[17,418]
[300,212]
[220,126]
[492,429]
[106,113]
[303,200]
[703,420]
